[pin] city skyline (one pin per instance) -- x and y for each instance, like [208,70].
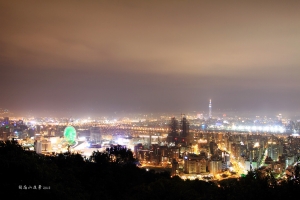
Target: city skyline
[88,58]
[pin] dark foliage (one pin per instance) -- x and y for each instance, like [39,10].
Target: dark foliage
[113,175]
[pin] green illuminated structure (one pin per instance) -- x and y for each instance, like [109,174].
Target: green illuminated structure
[70,134]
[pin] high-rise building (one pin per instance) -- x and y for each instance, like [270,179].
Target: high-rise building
[194,164]
[38,146]
[275,151]
[289,160]
[184,131]
[6,121]
[173,134]
[175,168]
[184,127]
[209,111]
[236,149]
[215,166]
[226,159]
[95,134]
[213,147]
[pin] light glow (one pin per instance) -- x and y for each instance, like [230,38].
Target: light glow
[70,134]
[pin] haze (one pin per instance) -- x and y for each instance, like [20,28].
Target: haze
[94,57]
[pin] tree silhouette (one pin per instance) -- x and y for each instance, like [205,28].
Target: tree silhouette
[70,176]
[116,154]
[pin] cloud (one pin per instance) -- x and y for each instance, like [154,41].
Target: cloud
[116,55]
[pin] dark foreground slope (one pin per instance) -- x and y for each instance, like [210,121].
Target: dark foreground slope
[113,175]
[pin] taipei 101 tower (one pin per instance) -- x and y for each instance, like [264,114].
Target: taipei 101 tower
[209,111]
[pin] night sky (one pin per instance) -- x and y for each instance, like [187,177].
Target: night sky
[100,57]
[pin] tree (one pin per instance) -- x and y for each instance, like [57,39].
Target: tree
[116,154]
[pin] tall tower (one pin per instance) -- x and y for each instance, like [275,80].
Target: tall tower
[209,112]
[184,126]
[173,134]
[184,133]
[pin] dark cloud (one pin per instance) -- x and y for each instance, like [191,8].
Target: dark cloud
[107,56]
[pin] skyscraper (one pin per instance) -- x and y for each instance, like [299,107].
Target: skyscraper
[95,134]
[184,133]
[184,126]
[173,133]
[209,111]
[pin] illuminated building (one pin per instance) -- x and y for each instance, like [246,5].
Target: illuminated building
[220,137]
[137,148]
[247,165]
[254,165]
[236,149]
[173,134]
[175,168]
[38,146]
[6,121]
[255,153]
[251,165]
[275,151]
[209,111]
[160,153]
[275,148]
[46,145]
[184,133]
[290,160]
[212,147]
[215,166]
[174,153]
[95,134]
[226,159]
[194,164]
[144,155]
[31,132]
[4,133]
